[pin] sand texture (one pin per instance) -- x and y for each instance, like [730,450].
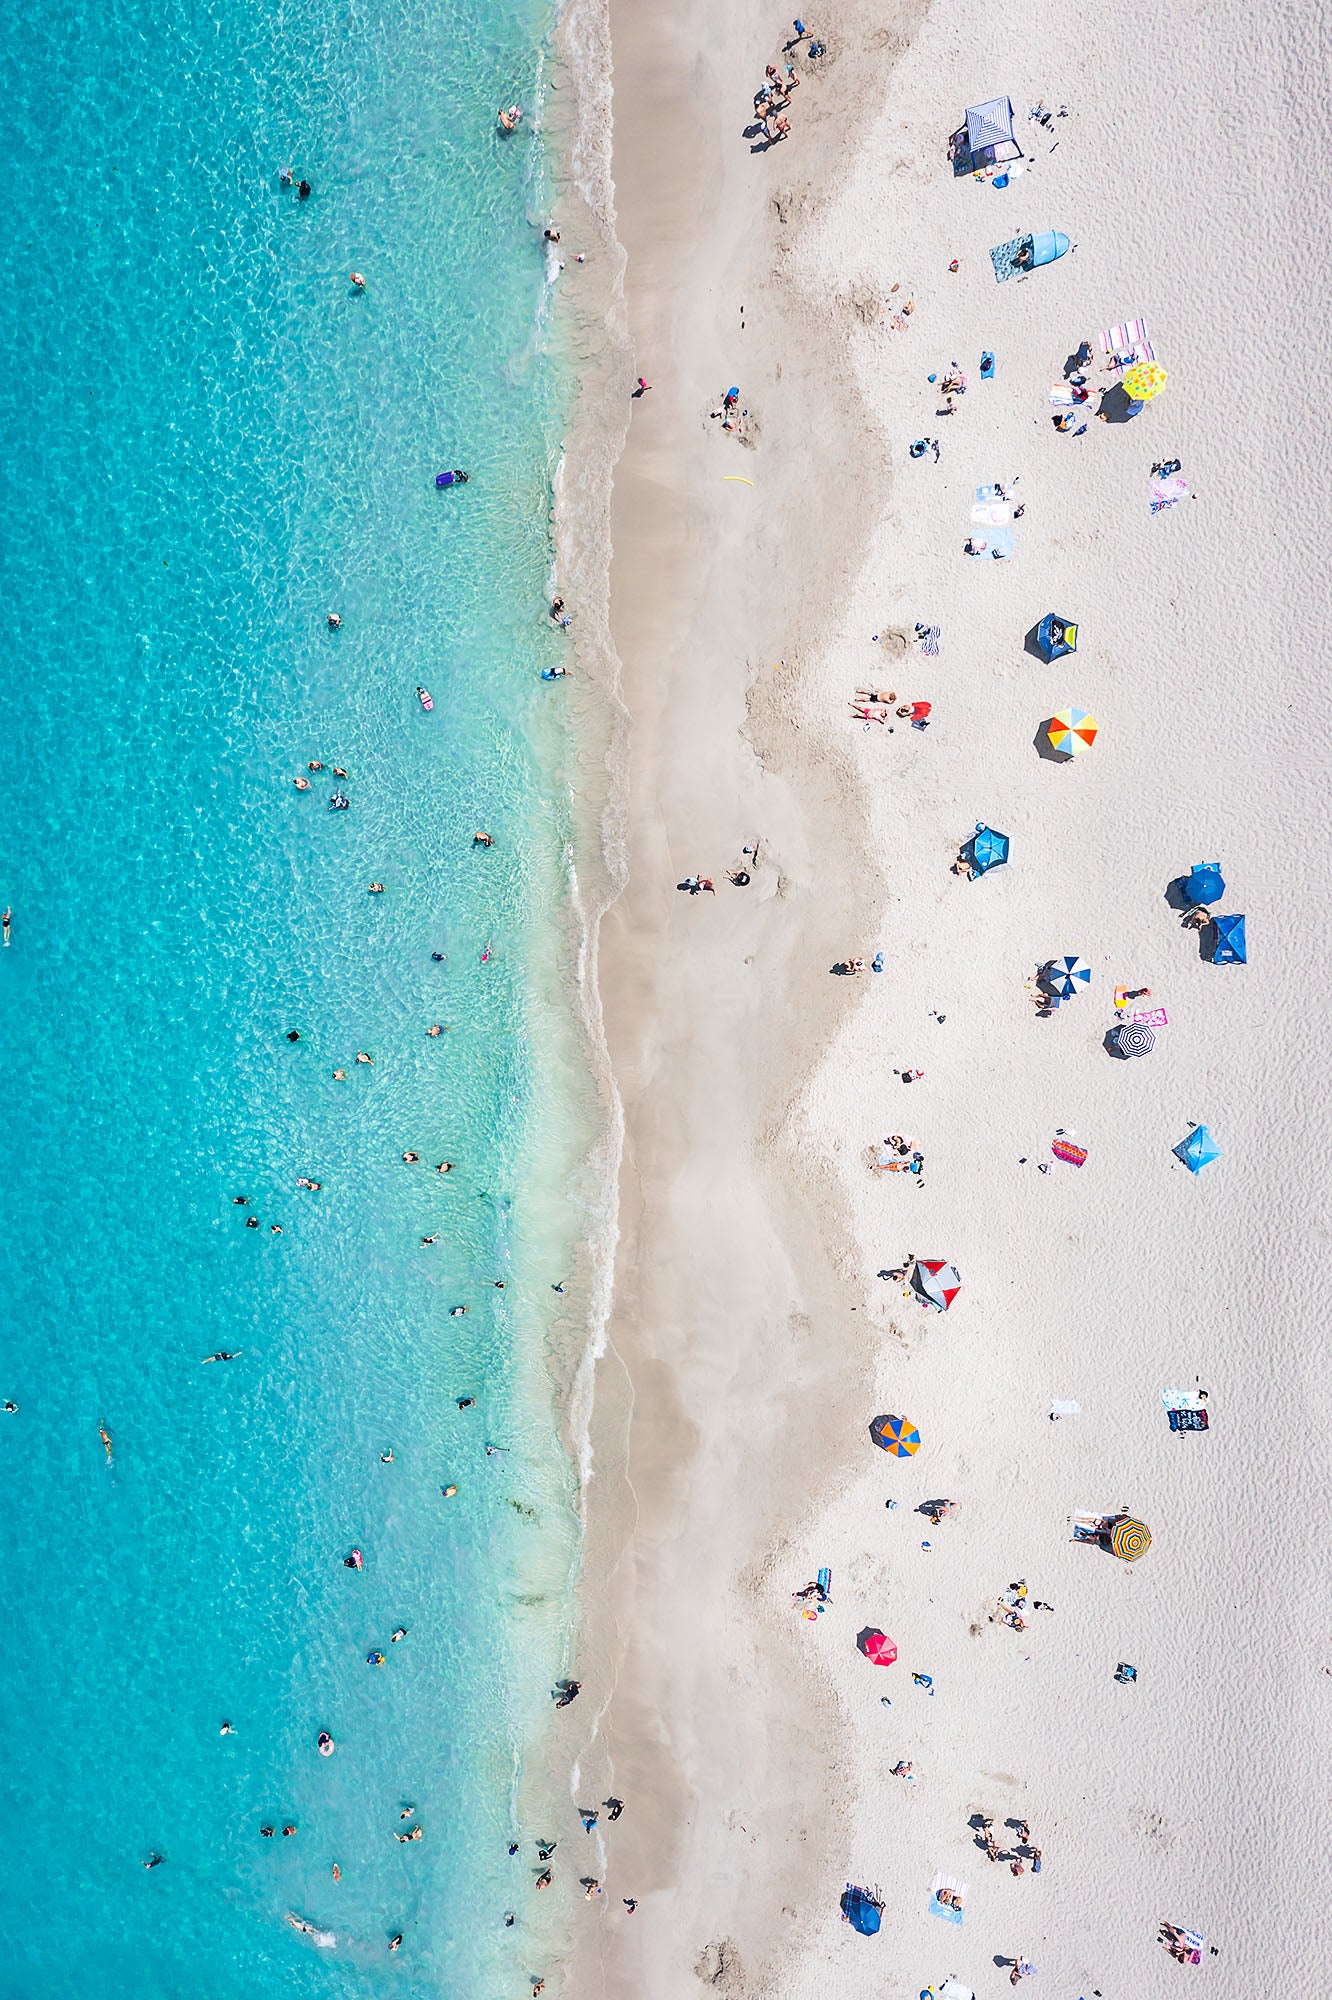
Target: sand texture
[751,1341]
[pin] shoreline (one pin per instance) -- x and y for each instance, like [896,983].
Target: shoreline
[749,740]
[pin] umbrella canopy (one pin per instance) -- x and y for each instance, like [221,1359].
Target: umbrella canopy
[1230,947]
[936,1281]
[1133,1039]
[1130,1539]
[897,1435]
[1198,1150]
[1071,731]
[986,849]
[990,131]
[861,1910]
[1144,380]
[1056,636]
[878,1649]
[1206,883]
[1066,976]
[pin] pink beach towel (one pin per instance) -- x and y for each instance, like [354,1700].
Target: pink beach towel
[1064,1149]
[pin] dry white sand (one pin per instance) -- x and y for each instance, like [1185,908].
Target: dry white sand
[752,1342]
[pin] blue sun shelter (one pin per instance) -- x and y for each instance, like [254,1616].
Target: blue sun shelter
[1228,942]
[1205,884]
[1198,1150]
[1056,636]
[990,138]
[985,850]
[861,1910]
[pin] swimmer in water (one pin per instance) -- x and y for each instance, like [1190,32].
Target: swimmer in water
[357,280]
[361,1056]
[339,1076]
[376,888]
[154,1861]
[338,771]
[223,1354]
[353,1561]
[435,1029]
[337,1872]
[288,1830]
[251,1222]
[226,1730]
[411,1158]
[326,1748]
[483,840]
[444,1167]
[302,785]
[5,921]
[267,1832]
[456,1312]
[430,1239]
[105,1435]
[466,1402]
[399,1633]
[304,190]
[395,1941]
[386,1457]
[293,1034]
[485,956]
[239,1200]
[275,1229]
[449,1492]
[11,1409]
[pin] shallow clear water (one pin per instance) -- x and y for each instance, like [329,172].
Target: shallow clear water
[209,441]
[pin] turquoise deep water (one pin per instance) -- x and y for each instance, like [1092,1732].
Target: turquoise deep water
[209,441]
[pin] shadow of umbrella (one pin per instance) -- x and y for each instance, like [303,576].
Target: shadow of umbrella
[1118,407]
[1045,749]
[876,1646]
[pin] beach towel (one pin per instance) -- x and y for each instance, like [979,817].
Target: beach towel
[1128,341]
[991,513]
[1062,396]
[1065,1409]
[1071,1155]
[1151,1017]
[1004,258]
[1168,492]
[929,639]
[1183,1399]
[1188,1420]
[946,1910]
[1087,1526]
[995,545]
[994,491]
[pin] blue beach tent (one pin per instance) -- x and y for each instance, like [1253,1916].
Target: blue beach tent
[860,1910]
[1228,945]
[986,849]
[990,132]
[1198,1150]
[1205,883]
[1056,636]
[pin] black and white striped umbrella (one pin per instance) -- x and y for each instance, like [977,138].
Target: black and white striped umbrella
[1133,1039]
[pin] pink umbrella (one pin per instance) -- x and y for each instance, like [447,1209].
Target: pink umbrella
[878,1649]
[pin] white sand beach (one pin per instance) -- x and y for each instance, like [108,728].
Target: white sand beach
[751,1340]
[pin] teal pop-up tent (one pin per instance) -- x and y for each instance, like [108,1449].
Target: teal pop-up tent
[1198,1150]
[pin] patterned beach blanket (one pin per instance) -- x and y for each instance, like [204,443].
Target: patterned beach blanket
[1064,1149]
[1004,257]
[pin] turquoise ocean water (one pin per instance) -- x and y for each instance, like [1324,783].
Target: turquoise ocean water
[209,441]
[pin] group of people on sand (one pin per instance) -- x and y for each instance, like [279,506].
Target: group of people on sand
[1018,1855]
[772,100]
[879,704]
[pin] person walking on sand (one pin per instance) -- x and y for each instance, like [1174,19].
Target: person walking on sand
[643,386]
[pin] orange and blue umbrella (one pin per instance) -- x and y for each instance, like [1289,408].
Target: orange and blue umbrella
[1130,1539]
[897,1435]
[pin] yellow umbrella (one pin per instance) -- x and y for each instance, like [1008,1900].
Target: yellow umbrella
[1144,380]
[1072,731]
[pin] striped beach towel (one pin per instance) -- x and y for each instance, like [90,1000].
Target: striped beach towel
[929,639]
[1129,337]
[1064,1149]
[946,1910]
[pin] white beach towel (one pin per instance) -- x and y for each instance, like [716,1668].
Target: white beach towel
[1063,1408]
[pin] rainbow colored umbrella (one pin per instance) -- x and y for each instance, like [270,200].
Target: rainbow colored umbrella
[1144,380]
[1072,731]
[897,1435]
[1130,1539]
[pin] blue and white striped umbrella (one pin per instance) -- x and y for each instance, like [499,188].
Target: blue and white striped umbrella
[1067,976]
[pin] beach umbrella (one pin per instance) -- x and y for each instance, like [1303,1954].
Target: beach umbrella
[1071,731]
[936,1281]
[897,1435]
[1198,1150]
[1144,380]
[1133,1039]
[1130,1539]
[1205,883]
[861,1910]
[1229,946]
[986,849]
[1056,636]
[878,1649]
[1067,976]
